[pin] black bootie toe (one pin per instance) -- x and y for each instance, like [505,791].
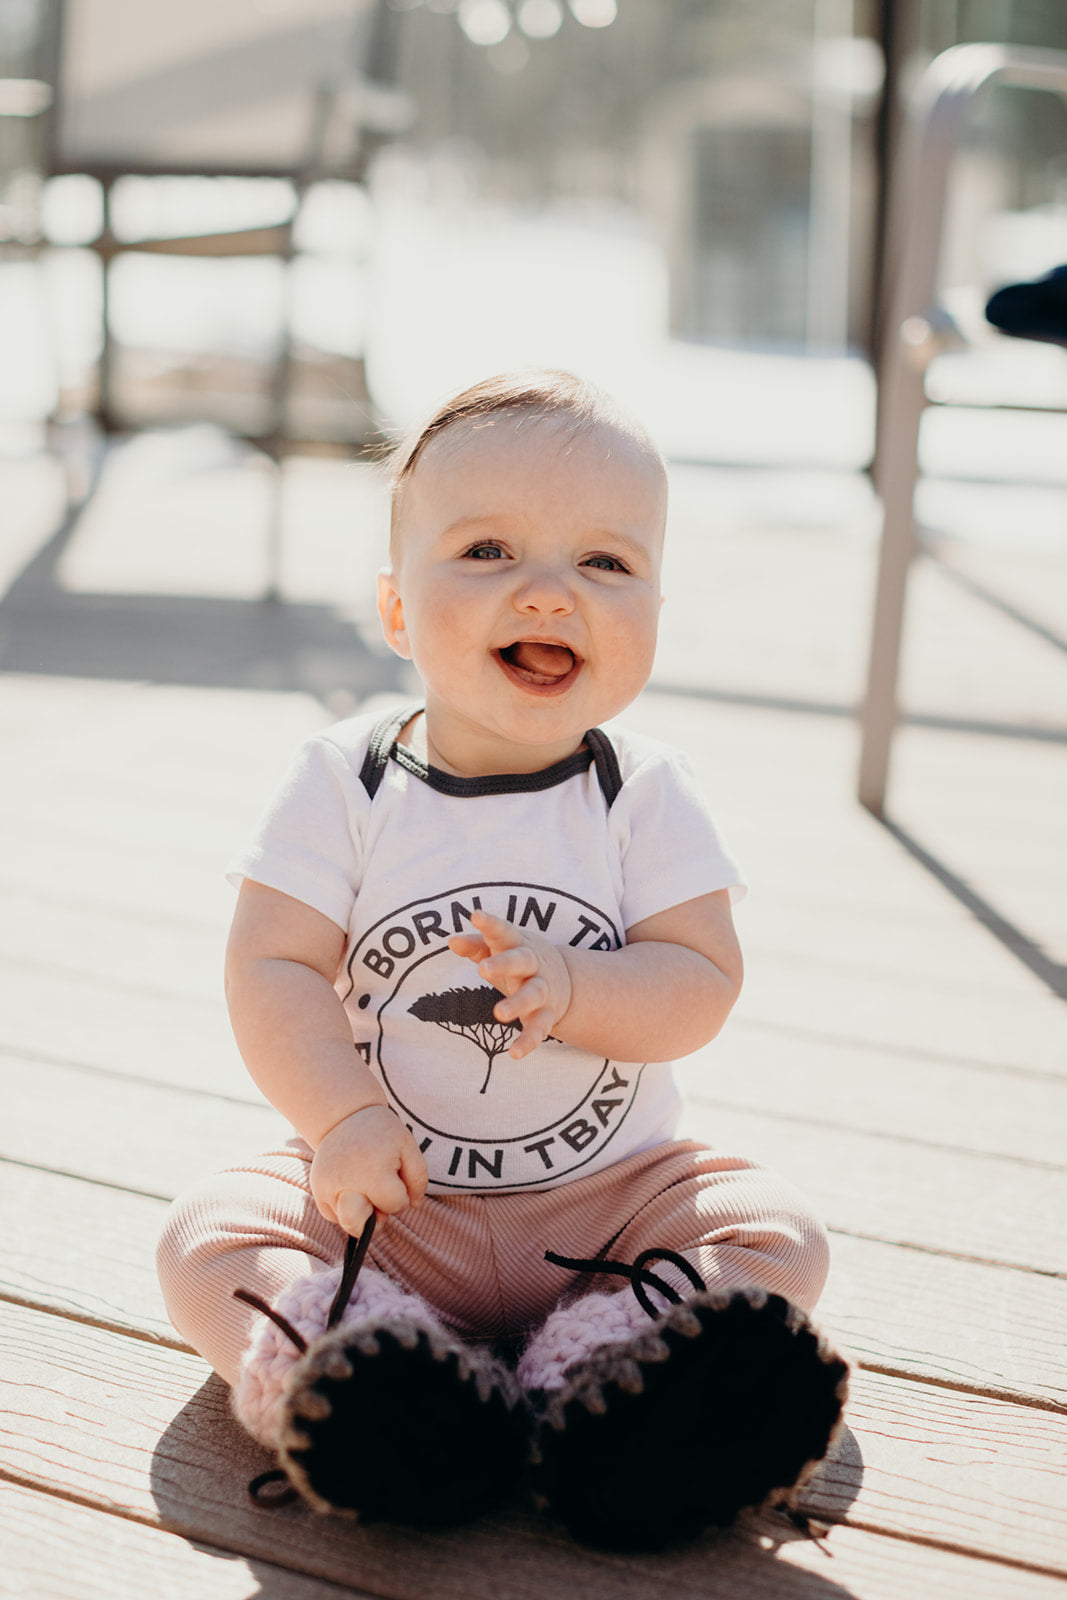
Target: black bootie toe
[394,1419]
[728,1399]
[399,1423]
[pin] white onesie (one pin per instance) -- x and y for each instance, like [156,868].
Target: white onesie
[398,854]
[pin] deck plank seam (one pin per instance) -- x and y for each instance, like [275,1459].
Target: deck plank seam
[979,1391]
[934,1058]
[922,980]
[113,985]
[872,1045]
[118,911]
[851,711]
[949,1546]
[902,1374]
[871,1133]
[166,1525]
[859,1363]
[115,1074]
[86,1319]
[84,1177]
[240,1548]
[946,1255]
[743,1023]
[829,967]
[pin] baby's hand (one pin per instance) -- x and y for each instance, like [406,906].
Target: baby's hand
[530,973]
[369,1162]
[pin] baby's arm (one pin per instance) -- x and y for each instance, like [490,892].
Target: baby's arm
[664,994]
[293,1034]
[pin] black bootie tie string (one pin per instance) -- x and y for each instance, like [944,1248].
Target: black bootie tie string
[355,1253]
[636,1271]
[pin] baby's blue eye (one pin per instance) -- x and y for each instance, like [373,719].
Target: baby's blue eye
[605,563]
[485,552]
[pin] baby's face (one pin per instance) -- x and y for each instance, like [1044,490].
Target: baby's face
[526,589]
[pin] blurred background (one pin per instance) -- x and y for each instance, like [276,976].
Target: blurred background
[242,244]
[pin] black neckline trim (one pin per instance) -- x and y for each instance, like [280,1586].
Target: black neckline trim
[451,783]
[384,745]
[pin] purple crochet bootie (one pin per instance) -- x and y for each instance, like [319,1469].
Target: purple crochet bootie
[375,1408]
[677,1413]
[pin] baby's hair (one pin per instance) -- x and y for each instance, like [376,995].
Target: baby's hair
[540,393]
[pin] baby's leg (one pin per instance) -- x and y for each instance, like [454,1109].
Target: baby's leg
[662,1418]
[254,1227]
[386,1413]
[738,1225]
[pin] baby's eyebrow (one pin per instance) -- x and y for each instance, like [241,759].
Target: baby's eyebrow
[471,525]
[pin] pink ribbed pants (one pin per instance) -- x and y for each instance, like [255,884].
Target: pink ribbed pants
[479,1259]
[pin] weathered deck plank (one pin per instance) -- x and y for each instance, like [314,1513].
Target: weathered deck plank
[64,1551]
[991,1329]
[164,954]
[116,1027]
[120,1131]
[86,1250]
[980,1207]
[131,1426]
[867,1008]
[977,1474]
[861,1089]
[57,1550]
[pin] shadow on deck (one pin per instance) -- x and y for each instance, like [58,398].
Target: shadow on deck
[197,641]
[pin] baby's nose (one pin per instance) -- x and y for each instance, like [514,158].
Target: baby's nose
[544,588]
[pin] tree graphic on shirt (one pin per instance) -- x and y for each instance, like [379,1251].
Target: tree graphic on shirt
[469,1012]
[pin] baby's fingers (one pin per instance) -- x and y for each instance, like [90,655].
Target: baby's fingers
[528,990]
[413,1172]
[353,1211]
[389,1193]
[516,974]
[498,934]
[535,1030]
[471,945]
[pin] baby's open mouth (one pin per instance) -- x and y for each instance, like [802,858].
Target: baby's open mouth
[539,663]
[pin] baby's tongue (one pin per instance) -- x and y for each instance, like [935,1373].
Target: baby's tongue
[543,660]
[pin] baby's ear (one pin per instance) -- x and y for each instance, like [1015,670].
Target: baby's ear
[391,611]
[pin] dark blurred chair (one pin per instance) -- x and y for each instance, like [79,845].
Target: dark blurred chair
[1035,310]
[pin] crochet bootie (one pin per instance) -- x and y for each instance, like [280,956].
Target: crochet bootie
[375,1409]
[721,1401]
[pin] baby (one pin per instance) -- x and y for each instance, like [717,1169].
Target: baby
[470,938]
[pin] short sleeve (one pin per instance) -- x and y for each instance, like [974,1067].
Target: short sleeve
[670,847]
[308,843]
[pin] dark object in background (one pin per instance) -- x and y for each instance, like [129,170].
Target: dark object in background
[1036,310]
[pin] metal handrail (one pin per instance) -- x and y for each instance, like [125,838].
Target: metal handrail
[944,96]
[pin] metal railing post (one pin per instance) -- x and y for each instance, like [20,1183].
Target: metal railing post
[945,94]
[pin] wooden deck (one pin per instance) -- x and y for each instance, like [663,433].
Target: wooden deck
[900,1050]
